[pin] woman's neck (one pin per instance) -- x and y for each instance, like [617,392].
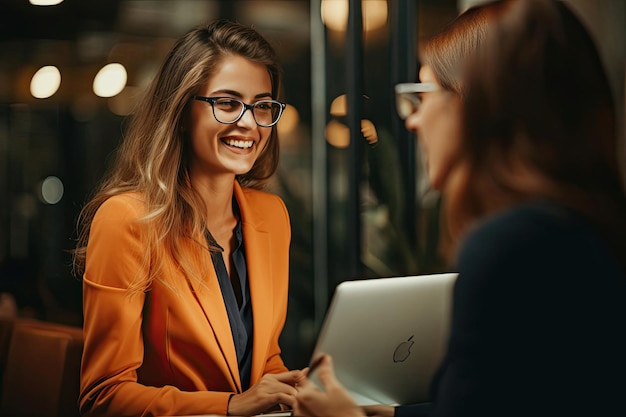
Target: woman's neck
[217,194]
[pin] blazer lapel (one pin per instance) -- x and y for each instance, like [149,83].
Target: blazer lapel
[258,258]
[209,296]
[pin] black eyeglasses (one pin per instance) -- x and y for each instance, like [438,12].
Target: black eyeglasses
[228,110]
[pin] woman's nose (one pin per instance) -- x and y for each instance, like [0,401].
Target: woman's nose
[411,123]
[247,119]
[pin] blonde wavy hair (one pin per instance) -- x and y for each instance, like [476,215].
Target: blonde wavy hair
[152,159]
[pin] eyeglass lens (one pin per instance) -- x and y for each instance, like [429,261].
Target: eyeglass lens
[265,112]
[406,104]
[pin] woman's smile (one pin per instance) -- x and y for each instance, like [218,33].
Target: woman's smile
[238,143]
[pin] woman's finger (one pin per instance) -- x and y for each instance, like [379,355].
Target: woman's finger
[326,373]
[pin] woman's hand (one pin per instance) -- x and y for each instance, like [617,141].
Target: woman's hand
[271,391]
[334,400]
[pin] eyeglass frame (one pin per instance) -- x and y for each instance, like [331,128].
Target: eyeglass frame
[244,107]
[408,91]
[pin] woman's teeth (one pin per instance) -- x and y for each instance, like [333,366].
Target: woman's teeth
[243,144]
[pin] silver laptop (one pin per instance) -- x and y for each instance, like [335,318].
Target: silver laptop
[387,336]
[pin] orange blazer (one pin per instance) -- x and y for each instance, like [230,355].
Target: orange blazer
[170,351]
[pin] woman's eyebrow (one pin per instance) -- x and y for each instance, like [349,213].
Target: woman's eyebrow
[263,95]
[238,94]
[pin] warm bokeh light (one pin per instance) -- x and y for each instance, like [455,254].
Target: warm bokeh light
[288,121]
[110,80]
[51,190]
[369,132]
[338,106]
[45,82]
[337,134]
[45,2]
[335,14]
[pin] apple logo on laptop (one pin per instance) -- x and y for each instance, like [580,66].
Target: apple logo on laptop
[403,350]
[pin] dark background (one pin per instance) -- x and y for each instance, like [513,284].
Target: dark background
[71,136]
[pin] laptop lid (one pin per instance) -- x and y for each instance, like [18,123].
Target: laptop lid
[387,336]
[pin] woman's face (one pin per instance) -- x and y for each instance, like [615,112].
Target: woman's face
[229,149]
[437,123]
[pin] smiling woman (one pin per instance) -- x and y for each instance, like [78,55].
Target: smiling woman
[175,246]
[228,142]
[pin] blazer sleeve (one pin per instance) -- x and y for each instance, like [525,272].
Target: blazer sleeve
[114,346]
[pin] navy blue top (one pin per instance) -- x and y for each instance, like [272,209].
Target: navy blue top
[236,294]
[538,321]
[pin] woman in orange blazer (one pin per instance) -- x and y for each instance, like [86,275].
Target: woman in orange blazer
[184,259]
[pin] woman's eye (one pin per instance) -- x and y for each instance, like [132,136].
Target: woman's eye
[228,104]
